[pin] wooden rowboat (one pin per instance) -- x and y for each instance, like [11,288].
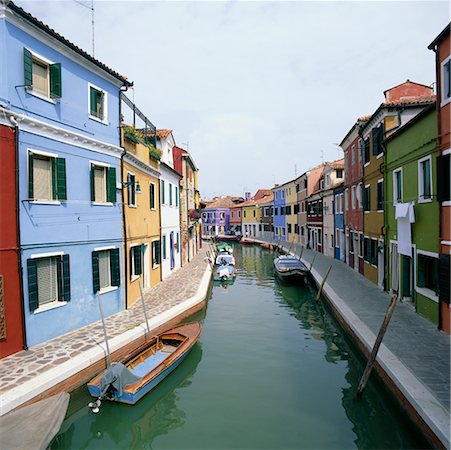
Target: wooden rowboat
[290,268]
[129,380]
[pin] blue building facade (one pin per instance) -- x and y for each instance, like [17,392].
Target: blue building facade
[65,107]
[280,226]
[339,224]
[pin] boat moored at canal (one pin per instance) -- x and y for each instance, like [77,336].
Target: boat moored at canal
[128,381]
[225,272]
[290,268]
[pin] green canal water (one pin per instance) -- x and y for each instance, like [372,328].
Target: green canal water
[272,370]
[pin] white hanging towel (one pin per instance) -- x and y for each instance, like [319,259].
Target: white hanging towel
[405,215]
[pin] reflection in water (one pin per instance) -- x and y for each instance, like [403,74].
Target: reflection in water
[123,426]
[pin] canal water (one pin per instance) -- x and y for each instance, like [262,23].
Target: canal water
[272,370]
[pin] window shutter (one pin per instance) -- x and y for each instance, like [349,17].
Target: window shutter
[162,192]
[381,137]
[158,252]
[27,67]
[54,189]
[95,272]
[114,267]
[137,259]
[32,274]
[152,195]
[61,193]
[129,190]
[111,184]
[55,80]
[375,140]
[30,175]
[444,279]
[367,151]
[421,282]
[443,178]
[93,101]
[93,195]
[66,278]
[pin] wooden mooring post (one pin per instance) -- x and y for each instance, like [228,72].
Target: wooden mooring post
[313,260]
[323,282]
[377,344]
[301,252]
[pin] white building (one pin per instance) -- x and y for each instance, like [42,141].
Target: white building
[169,205]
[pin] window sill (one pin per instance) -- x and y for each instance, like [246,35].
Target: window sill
[108,289]
[446,203]
[380,155]
[97,119]
[101,204]
[380,210]
[41,96]
[132,206]
[430,294]
[424,200]
[48,307]
[45,202]
[134,278]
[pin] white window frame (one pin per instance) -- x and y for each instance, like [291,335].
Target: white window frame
[421,198]
[133,277]
[47,155]
[154,207]
[110,287]
[133,186]
[429,293]
[30,89]
[395,186]
[104,119]
[442,84]
[105,166]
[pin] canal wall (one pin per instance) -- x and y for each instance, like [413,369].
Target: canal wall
[404,359]
[33,375]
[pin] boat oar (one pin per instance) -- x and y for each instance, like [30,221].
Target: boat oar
[144,307]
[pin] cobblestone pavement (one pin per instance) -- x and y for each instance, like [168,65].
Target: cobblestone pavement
[181,285]
[414,340]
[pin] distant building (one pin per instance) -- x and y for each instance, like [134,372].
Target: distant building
[216,216]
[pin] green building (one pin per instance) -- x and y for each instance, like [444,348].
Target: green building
[411,208]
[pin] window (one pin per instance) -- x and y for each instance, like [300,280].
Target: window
[41,76]
[288,210]
[97,103]
[397,186]
[221,215]
[353,154]
[254,213]
[327,180]
[170,194]
[152,195]
[366,151]
[239,214]
[361,241]
[380,195]
[105,269]
[289,227]
[446,81]
[163,245]
[103,183]
[443,178]
[176,196]
[156,256]
[178,242]
[427,272]
[370,251]
[46,177]
[48,281]
[346,199]
[135,262]
[162,193]
[353,197]
[351,242]
[321,184]
[131,189]
[359,195]
[339,173]
[425,179]
[298,187]
[367,198]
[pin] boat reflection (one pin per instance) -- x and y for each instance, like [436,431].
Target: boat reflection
[124,426]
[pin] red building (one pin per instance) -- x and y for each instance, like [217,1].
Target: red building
[11,329]
[442,48]
[352,145]
[314,205]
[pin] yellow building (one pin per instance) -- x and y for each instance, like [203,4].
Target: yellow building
[291,210]
[141,200]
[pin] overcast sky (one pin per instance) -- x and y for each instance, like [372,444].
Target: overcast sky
[261,91]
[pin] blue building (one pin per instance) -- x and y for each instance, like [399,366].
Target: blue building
[65,107]
[280,225]
[340,206]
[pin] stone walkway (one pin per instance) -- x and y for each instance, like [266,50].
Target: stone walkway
[24,366]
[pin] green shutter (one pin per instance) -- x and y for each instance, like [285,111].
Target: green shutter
[66,278]
[30,176]
[93,195]
[61,192]
[95,272]
[137,259]
[427,178]
[164,247]
[162,192]
[381,137]
[111,184]
[152,195]
[114,267]
[32,274]
[54,191]
[421,281]
[158,252]
[93,101]
[55,80]
[375,140]
[27,67]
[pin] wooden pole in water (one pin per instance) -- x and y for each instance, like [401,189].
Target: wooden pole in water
[104,330]
[323,282]
[300,254]
[377,343]
[144,306]
[313,260]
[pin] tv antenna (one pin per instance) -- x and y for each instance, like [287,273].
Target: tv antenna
[92,19]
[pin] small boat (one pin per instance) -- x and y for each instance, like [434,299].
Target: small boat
[224,247]
[228,237]
[225,272]
[129,380]
[224,259]
[247,241]
[290,268]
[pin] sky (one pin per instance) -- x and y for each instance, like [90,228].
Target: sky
[259,92]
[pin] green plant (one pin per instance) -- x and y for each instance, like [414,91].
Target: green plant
[132,134]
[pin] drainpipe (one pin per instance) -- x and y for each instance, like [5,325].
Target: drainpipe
[18,240]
